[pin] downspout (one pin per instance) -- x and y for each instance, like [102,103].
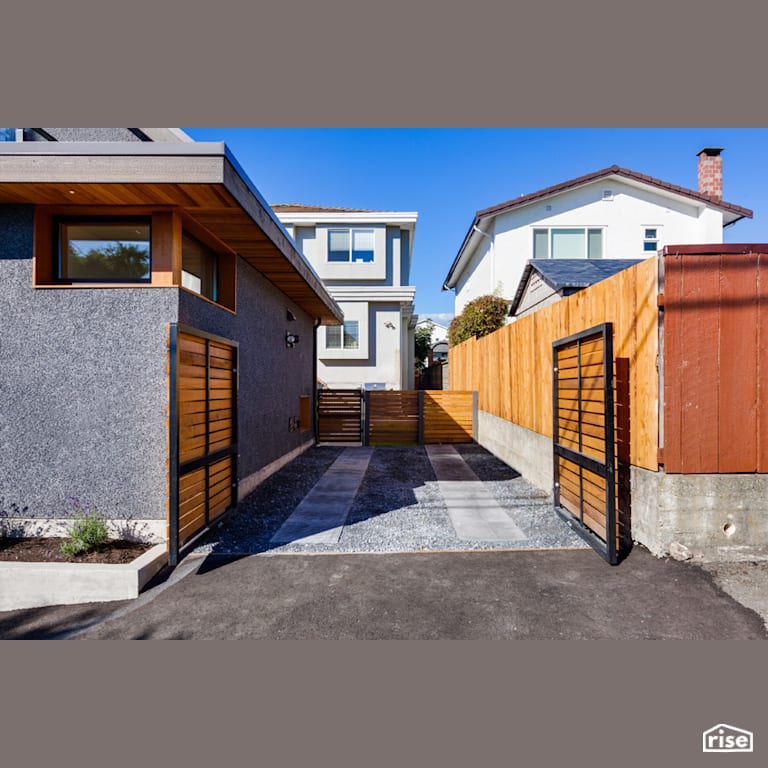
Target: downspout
[477,229]
[315,327]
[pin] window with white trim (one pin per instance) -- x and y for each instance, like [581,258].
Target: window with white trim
[568,243]
[351,245]
[650,239]
[347,335]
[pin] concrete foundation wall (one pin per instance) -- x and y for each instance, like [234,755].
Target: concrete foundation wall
[83,390]
[709,518]
[528,452]
[703,517]
[272,376]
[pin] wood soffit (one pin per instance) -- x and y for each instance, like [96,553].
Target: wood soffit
[224,206]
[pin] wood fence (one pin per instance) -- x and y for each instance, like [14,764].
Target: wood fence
[715,320]
[511,369]
[411,417]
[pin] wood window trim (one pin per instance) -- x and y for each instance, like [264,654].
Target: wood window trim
[167,226]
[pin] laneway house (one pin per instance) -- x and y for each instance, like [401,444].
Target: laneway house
[157,329]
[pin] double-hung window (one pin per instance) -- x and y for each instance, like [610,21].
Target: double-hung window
[568,243]
[351,245]
[103,250]
[345,336]
[650,239]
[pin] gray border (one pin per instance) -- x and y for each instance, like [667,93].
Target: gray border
[658,64]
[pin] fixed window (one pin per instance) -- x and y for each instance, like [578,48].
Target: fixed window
[568,243]
[345,336]
[103,250]
[7,134]
[651,239]
[351,245]
[199,268]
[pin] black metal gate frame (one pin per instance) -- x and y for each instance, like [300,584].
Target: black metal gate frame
[607,469]
[176,470]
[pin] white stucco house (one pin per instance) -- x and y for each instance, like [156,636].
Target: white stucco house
[363,258]
[439,331]
[614,213]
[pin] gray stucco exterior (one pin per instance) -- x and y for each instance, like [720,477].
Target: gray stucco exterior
[84,387]
[83,393]
[272,376]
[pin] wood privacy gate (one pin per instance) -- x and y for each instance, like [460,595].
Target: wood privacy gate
[202,433]
[396,417]
[584,438]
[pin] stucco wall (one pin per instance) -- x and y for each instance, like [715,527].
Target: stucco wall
[383,362]
[83,390]
[272,376]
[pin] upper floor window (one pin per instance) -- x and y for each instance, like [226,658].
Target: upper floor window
[347,335]
[568,243]
[103,250]
[350,245]
[7,134]
[650,239]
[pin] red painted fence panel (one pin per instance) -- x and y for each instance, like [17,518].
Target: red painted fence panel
[715,336]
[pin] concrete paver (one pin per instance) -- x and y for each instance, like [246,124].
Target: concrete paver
[320,517]
[475,514]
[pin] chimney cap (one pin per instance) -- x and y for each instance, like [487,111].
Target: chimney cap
[710,151]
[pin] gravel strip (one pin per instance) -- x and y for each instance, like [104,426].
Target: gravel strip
[398,507]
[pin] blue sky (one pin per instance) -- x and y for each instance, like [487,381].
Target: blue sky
[447,174]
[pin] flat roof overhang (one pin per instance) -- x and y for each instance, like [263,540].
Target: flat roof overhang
[203,180]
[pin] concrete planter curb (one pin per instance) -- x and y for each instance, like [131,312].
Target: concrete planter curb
[33,585]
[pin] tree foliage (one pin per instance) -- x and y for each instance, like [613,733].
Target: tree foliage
[480,317]
[117,261]
[422,341]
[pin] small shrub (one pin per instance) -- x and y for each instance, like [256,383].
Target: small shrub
[89,530]
[480,317]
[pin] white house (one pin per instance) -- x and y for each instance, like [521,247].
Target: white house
[364,260]
[439,331]
[614,213]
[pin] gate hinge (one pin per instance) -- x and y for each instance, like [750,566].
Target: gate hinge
[660,300]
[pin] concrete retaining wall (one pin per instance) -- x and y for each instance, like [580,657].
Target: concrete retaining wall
[709,518]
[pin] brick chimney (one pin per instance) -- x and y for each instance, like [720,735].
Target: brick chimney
[711,172]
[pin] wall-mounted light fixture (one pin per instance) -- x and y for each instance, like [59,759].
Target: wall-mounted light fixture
[291,340]
[389,324]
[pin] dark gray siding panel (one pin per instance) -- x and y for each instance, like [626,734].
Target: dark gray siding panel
[83,389]
[272,376]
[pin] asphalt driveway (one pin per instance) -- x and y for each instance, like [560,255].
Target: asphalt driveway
[401,563]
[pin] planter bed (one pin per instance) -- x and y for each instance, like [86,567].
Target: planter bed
[36,584]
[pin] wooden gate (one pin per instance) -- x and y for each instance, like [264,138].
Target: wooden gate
[339,415]
[584,437]
[203,433]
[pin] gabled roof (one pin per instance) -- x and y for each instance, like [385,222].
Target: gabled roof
[569,275]
[731,212]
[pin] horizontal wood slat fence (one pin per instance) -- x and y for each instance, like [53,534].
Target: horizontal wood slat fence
[511,369]
[202,432]
[396,417]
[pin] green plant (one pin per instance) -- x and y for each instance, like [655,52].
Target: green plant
[89,529]
[422,341]
[480,317]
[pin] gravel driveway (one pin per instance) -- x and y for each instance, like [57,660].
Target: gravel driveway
[398,507]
